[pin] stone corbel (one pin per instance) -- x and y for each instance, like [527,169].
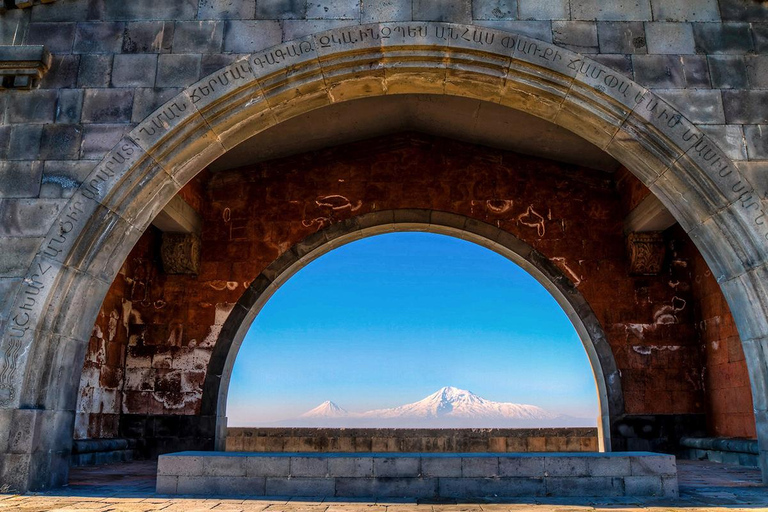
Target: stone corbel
[646,253]
[180,253]
[22,67]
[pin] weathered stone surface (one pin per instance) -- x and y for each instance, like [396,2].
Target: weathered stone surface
[334,9]
[699,106]
[455,11]
[32,107]
[746,106]
[57,37]
[61,141]
[148,37]
[95,71]
[226,9]
[20,179]
[669,38]
[279,9]
[624,10]
[757,141]
[728,71]
[243,36]
[198,37]
[622,37]
[663,71]
[24,142]
[722,38]
[551,10]
[177,70]
[107,105]
[495,10]
[578,36]
[392,10]
[70,106]
[685,10]
[134,70]
[97,37]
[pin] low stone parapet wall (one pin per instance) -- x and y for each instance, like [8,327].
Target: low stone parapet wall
[495,440]
[418,475]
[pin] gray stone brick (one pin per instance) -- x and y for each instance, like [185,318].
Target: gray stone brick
[136,10]
[179,465]
[443,467]
[57,37]
[147,101]
[148,37]
[5,141]
[619,10]
[585,486]
[98,37]
[223,466]
[28,217]
[536,29]
[729,138]
[579,36]
[134,70]
[480,467]
[249,36]
[226,9]
[267,466]
[745,107]
[62,177]
[300,487]
[280,9]
[643,486]
[98,139]
[386,10]
[521,466]
[543,9]
[24,143]
[685,10]
[669,38]
[294,29]
[757,141]
[63,10]
[461,488]
[309,466]
[14,27]
[18,253]
[570,467]
[166,484]
[358,467]
[70,106]
[60,141]
[396,467]
[696,71]
[198,37]
[653,465]
[722,38]
[107,105]
[622,37]
[728,71]
[760,36]
[63,72]
[333,9]
[95,71]
[608,466]
[455,11]
[216,61]
[699,106]
[495,10]
[757,71]
[664,71]
[32,107]
[20,179]
[739,10]
[177,70]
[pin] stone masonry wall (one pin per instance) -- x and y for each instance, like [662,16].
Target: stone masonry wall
[251,216]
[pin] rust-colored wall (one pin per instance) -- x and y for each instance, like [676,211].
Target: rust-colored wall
[573,216]
[726,378]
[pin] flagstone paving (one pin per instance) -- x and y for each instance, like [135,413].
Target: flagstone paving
[130,487]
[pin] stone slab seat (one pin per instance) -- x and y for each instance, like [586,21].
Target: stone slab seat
[418,475]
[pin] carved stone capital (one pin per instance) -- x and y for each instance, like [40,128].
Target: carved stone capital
[646,253]
[180,253]
[22,67]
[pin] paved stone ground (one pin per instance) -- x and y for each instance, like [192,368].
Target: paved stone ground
[704,486]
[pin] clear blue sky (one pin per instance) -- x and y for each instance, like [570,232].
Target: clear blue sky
[389,319]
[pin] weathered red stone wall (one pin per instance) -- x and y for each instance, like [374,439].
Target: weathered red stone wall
[250,216]
[726,378]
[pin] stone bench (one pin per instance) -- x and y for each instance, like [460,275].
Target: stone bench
[418,475]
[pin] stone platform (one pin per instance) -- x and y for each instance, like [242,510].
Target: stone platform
[418,475]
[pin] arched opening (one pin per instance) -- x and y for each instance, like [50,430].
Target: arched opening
[81,254]
[218,377]
[392,318]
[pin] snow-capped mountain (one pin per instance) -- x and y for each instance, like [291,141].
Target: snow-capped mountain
[326,409]
[447,407]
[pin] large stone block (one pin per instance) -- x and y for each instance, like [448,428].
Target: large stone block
[756,137]
[578,36]
[227,466]
[495,10]
[148,37]
[226,9]
[463,488]
[585,486]
[396,467]
[57,37]
[479,467]
[18,253]
[268,466]
[20,179]
[98,139]
[661,465]
[358,467]
[61,141]
[745,106]
[170,465]
[441,467]
[669,38]
[247,36]
[280,9]
[32,107]
[685,10]
[198,37]
[643,486]
[722,38]
[63,73]
[333,9]
[300,487]
[661,71]
[98,37]
[757,71]
[728,71]
[548,10]
[541,30]
[622,37]
[729,138]
[391,10]
[95,71]
[621,10]
[134,70]
[453,11]
[107,105]
[177,70]
[24,142]
[143,10]
[148,100]
[696,71]
[521,466]
[699,106]
[387,487]
[70,106]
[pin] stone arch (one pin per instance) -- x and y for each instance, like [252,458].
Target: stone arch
[599,352]
[55,305]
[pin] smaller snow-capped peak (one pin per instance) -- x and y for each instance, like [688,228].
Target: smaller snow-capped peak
[326,409]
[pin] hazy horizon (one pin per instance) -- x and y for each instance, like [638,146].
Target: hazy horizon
[387,320]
